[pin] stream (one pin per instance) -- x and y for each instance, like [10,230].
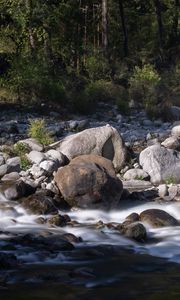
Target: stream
[104,264]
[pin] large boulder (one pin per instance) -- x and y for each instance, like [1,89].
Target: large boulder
[162,164]
[89,181]
[104,141]
[158,218]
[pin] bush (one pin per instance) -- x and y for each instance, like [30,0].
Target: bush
[20,150]
[38,131]
[97,67]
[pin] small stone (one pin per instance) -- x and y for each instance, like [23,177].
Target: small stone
[36,157]
[162,190]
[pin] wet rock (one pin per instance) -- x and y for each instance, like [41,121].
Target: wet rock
[135,231]
[71,238]
[8,212]
[89,181]
[161,164]
[8,261]
[158,218]
[104,141]
[57,220]
[40,220]
[36,157]
[134,217]
[135,174]
[40,203]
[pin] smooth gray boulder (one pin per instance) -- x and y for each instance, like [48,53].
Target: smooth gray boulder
[54,154]
[162,164]
[36,157]
[13,164]
[32,144]
[176,131]
[172,142]
[158,218]
[104,141]
[135,174]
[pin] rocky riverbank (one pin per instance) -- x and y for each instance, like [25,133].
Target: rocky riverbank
[97,165]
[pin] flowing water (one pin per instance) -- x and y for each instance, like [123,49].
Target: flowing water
[104,265]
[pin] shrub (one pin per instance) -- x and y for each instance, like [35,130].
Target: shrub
[38,131]
[97,67]
[143,83]
[20,149]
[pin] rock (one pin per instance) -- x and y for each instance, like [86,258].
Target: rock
[158,218]
[162,190]
[134,217]
[13,164]
[172,142]
[89,181]
[11,177]
[2,161]
[176,131]
[36,157]
[135,231]
[49,166]
[71,238]
[104,141]
[136,184]
[54,154]
[172,193]
[135,174]
[16,190]
[57,220]
[32,144]
[161,164]
[37,172]
[3,170]
[40,203]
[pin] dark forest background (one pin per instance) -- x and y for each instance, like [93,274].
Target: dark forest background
[76,53]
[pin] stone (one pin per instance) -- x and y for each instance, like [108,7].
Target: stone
[135,231]
[162,190]
[172,142]
[104,141]
[40,203]
[161,164]
[57,220]
[136,184]
[54,154]
[3,170]
[134,217]
[36,157]
[2,161]
[13,164]
[49,166]
[32,144]
[157,218]
[13,176]
[89,181]
[135,174]
[176,131]
[16,190]
[36,171]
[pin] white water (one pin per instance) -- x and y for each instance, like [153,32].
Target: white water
[168,239]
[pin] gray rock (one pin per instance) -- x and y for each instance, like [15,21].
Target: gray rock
[136,184]
[172,142]
[135,231]
[11,177]
[36,171]
[54,154]
[104,141]
[2,161]
[13,164]
[176,131]
[3,170]
[49,166]
[32,144]
[135,174]
[17,190]
[162,190]
[36,157]
[161,164]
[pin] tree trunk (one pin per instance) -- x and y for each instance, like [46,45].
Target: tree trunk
[124,28]
[157,4]
[104,27]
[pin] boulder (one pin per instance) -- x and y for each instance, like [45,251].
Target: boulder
[158,218]
[104,141]
[13,164]
[176,131]
[135,174]
[161,164]
[89,181]
[36,157]
[32,144]
[172,142]
[16,190]
[135,231]
[54,154]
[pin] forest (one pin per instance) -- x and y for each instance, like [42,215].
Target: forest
[76,53]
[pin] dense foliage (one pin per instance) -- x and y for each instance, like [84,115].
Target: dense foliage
[77,52]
